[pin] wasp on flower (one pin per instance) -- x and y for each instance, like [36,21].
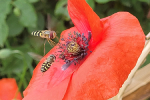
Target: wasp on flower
[116,41]
[46,65]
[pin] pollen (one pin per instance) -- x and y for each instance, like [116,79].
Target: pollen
[74,48]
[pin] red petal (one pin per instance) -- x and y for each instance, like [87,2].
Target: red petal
[105,70]
[85,19]
[39,83]
[8,89]
[57,92]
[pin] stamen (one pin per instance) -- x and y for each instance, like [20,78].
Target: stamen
[74,48]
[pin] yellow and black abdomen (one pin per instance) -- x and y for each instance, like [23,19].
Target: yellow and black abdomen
[45,66]
[36,33]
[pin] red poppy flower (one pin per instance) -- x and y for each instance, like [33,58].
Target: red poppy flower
[116,43]
[8,89]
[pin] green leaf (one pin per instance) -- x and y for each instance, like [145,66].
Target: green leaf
[137,6]
[40,24]
[4,7]
[22,48]
[16,66]
[36,42]
[28,16]
[32,1]
[2,18]
[103,1]
[12,65]
[4,10]
[15,28]
[91,3]
[4,53]
[126,3]
[17,11]
[29,62]
[61,9]
[3,32]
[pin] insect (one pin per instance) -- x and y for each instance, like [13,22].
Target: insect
[74,49]
[47,34]
[46,65]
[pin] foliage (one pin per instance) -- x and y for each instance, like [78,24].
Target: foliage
[18,18]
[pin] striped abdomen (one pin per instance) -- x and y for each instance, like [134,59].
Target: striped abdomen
[45,66]
[36,33]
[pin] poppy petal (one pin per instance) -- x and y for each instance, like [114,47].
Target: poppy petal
[105,70]
[56,92]
[40,83]
[8,89]
[85,19]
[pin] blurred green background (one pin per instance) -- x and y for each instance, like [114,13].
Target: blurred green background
[18,18]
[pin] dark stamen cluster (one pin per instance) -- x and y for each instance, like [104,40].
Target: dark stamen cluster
[73,48]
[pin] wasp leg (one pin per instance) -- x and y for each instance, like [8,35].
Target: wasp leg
[53,43]
[50,42]
[44,46]
[57,37]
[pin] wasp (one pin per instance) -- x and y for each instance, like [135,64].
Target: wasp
[46,65]
[47,34]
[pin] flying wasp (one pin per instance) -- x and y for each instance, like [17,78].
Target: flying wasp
[47,34]
[46,65]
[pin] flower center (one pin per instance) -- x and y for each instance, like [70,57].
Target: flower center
[73,48]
